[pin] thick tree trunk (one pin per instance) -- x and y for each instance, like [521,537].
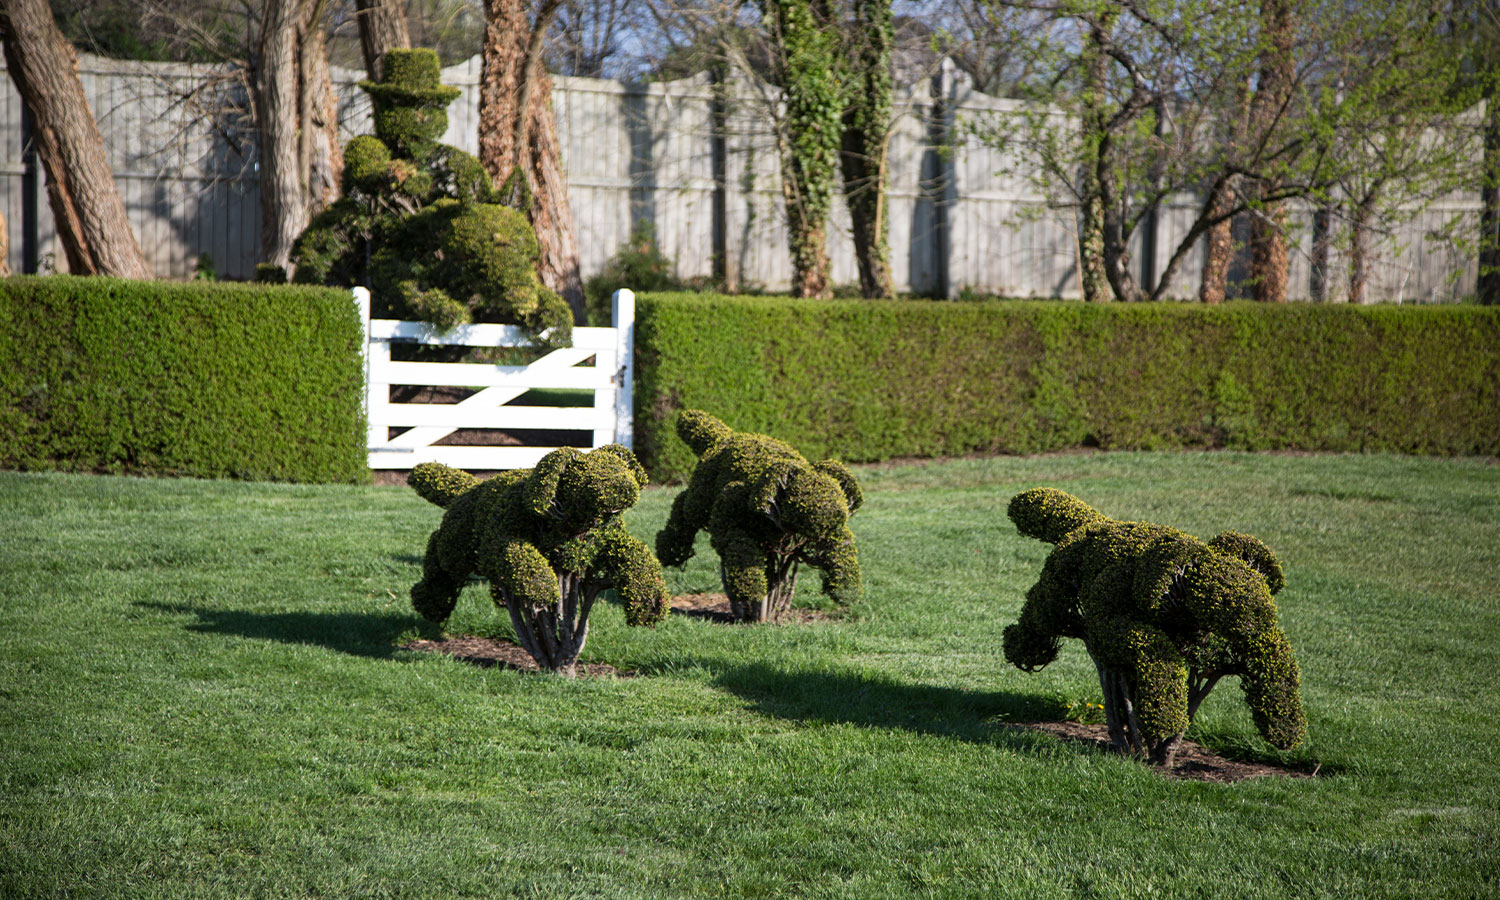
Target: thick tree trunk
[516,128]
[86,206]
[1218,247]
[382,28]
[1268,245]
[1359,246]
[1213,286]
[1488,288]
[297,123]
[1093,278]
[865,145]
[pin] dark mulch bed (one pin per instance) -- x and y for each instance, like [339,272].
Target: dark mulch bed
[1193,762]
[490,652]
[716,608]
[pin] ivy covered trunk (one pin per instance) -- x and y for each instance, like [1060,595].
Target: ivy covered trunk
[808,70]
[863,157]
[554,634]
[1122,716]
[91,222]
[1093,281]
[518,136]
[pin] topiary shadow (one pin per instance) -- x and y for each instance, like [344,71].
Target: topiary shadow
[370,635]
[872,701]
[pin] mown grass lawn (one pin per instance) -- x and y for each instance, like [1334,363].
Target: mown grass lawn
[201,695]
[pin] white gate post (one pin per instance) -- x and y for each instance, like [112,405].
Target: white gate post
[375,433]
[622,315]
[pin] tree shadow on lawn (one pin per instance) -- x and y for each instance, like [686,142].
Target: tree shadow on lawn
[873,701]
[365,634]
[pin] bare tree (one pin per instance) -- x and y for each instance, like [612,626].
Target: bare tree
[91,221]
[518,134]
[382,27]
[296,114]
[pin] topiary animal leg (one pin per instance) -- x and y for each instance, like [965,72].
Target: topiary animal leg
[627,563]
[437,593]
[690,514]
[837,559]
[743,570]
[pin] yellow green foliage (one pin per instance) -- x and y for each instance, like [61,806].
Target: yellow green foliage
[541,536]
[766,509]
[1163,610]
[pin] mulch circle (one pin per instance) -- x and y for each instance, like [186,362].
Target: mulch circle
[492,652]
[1193,761]
[716,608]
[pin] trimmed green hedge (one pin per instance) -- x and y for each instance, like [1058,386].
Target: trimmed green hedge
[201,379]
[867,381]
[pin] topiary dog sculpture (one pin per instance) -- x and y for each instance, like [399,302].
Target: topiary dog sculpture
[548,539]
[767,510]
[1163,615]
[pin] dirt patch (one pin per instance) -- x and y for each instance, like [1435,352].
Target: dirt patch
[716,608]
[491,652]
[1193,762]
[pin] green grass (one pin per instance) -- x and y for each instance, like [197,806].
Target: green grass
[201,696]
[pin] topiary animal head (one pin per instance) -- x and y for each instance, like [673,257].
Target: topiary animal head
[701,431]
[581,489]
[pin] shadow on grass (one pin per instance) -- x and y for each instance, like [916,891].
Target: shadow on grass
[357,634]
[873,701]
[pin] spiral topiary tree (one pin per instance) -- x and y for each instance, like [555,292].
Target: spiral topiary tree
[549,540]
[767,511]
[1164,616]
[421,223]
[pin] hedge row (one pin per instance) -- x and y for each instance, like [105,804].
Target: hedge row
[203,379]
[869,381]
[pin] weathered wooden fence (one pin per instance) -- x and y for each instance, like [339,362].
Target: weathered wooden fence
[696,163]
[509,416]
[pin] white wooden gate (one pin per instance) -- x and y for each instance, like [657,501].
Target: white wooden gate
[610,350]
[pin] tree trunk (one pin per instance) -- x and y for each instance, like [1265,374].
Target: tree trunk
[4,247]
[1092,276]
[1268,246]
[1359,245]
[382,28]
[1488,288]
[863,156]
[1218,248]
[86,206]
[1213,286]
[297,123]
[517,129]
[1322,251]
[809,136]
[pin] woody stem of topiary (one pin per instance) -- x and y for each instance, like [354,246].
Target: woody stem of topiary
[555,635]
[781,586]
[1125,732]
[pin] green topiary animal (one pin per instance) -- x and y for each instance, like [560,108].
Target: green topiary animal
[767,510]
[1164,617]
[421,223]
[549,540]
